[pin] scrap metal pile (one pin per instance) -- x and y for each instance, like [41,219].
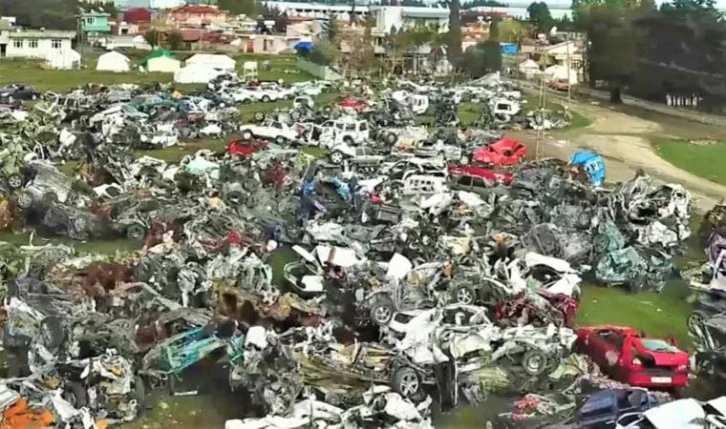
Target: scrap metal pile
[405,277]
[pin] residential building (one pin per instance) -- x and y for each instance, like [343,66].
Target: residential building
[95,23]
[561,52]
[137,15]
[474,33]
[341,11]
[195,16]
[403,17]
[265,44]
[37,43]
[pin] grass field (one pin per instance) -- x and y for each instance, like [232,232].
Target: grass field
[30,73]
[700,157]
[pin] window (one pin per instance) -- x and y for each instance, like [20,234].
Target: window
[18,43]
[33,44]
[350,126]
[89,21]
[56,43]
[626,420]
[503,107]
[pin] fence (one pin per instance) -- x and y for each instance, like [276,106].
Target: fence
[321,72]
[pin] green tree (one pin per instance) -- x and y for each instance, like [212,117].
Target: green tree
[453,52]
[483,58]
[614,41]
[153,37]
[540,16]
[330,29]
[174,40]
[239,7]
[509,31]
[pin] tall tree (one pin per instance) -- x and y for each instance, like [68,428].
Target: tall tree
[239,7]
[153,37]
[454,50]
[540,16]
[330,28]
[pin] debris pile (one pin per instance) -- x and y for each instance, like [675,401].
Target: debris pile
[405,279]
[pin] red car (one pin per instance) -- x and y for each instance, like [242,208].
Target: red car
[626,356]
[351,103]
[502,152]
[245,148]
[487,174]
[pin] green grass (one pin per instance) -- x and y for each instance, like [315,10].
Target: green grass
[703,159]
[30,73]
[657,314]
[578,120]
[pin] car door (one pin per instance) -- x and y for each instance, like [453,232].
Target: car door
[607,345]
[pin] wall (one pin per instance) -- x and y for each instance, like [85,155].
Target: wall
[321,72]
[42,51]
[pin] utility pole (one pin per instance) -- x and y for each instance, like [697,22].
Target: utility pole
[569,64]
[542,106]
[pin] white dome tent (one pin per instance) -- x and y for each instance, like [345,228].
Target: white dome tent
[560,73]
[113,62]
[197,73]
[214,60]
[66,59]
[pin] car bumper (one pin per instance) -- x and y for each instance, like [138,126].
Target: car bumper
[673,380]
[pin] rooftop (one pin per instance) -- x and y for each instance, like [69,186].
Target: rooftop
[197,8]
[41,34]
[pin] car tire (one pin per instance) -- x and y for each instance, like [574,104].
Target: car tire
[135,232]
[337,157]
[280,140]
[80,224]
[51,332]
[694,321]
[75,394]
[348,140]
[138,392]
[266,99]
[381,311]
[247,135]
[407,382]
[15,181]
[24,200]
[534,362]
[465,294]
[391,138]
[295,115]
[465,160]
[259,116]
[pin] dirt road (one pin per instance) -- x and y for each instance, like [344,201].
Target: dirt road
[624,141]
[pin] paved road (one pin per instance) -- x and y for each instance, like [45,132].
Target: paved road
[624,141]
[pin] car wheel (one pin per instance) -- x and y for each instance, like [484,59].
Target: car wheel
[25,200]
[80,224]
[136,232]
[391,138]
[464,160]
[280,140]
[15,181]
[295,115]
[406,381]
[337,157]
[694,321]
[139,392]
[266,99]
[382,311]
[247,135]
[348,140]
[534,362]
[465,294]
[259,116]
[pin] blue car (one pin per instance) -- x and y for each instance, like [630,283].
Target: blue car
[602,409]
[592,164]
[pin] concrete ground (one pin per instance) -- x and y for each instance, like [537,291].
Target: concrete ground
[623,136]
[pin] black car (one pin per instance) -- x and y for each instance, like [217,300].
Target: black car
[18,92]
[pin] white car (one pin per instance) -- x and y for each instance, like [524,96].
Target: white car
[264,95]
[276,131]
[358,155]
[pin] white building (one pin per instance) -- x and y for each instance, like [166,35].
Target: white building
[317,11]
[37,43]
[403,17]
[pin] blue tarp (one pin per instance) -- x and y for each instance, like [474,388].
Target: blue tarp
[508,48]
[303,46]
[593,164]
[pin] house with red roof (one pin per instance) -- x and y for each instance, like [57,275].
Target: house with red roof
[195,15]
